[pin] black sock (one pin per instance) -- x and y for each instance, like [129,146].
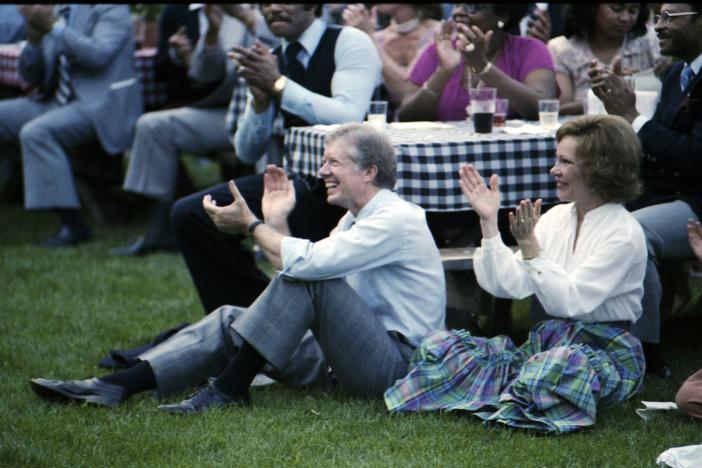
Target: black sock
[237,377]
[138,378]
[73,219]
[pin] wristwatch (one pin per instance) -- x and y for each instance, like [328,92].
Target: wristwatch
[279,85]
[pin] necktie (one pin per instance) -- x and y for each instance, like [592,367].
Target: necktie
[685,77]
[295,70]
[63,90]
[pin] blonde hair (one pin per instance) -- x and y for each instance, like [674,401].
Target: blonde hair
[609,154]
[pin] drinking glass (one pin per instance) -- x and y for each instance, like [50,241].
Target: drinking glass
[500,117]
[482,108]
[377,114]
[548,113]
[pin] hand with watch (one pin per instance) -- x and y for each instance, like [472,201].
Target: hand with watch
[259,67]
[474,45]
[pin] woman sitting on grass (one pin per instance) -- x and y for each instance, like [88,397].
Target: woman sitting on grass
[584,261]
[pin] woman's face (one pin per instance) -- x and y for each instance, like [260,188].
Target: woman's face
[570,181]
[616,19]
[481,15]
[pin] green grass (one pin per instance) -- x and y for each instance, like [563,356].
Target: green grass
[61,311]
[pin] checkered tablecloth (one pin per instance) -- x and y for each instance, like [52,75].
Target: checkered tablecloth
[428,161]
[144,60]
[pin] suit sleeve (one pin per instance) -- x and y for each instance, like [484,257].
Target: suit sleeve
[677,149]
[111,30]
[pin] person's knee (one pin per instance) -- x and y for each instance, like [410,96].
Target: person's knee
[184,210]
[151,123]
[33,132]
[689,402]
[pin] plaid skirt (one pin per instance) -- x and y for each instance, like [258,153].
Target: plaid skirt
[552,383]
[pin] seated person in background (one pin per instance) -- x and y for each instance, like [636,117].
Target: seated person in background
[199,128]
[367,293]
[81,59]
[321,74]
[671,168]
[479,54]
[410,30]
[612,34]
[584,261]
[689,397]
[12,25]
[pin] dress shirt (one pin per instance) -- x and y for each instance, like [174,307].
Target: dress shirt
[387,255]
[601,280]
[642,119]
[358,72]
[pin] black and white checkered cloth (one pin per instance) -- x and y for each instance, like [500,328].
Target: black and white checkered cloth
[428,161]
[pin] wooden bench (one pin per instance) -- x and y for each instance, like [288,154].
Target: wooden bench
[466,301]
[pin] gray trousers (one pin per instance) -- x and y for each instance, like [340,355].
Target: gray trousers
[301,328]
[46,133]
[160,139]
[665,226]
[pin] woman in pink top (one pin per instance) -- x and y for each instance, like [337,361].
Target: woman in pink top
[473,49]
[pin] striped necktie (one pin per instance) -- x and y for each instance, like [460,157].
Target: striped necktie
[685,77]
[63,90]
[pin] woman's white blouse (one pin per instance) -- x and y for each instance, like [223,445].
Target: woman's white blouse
[599,279]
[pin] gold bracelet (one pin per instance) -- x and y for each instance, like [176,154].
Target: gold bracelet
[533,256]
[426,87]
[485,69]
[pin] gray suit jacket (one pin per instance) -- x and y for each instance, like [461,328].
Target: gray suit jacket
[99,43]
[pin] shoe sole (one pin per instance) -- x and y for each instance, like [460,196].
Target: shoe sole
[57,396]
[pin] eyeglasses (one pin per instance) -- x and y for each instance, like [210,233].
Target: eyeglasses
[668,17]
[471,8]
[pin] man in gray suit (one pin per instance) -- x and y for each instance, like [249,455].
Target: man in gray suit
[199,128]
[349,308]
[81,60]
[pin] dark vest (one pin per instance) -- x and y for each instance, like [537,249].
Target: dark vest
[318,75]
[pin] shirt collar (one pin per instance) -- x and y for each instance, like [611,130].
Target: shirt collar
[310,38]
[378,199]
[696,64]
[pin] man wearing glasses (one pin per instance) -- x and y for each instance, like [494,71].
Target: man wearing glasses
[672,163]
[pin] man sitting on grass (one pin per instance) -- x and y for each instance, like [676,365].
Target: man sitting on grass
[356,302]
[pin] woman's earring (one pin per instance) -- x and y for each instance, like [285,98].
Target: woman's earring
[500,24]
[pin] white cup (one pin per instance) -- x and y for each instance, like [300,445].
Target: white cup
[548,113]
[377,115]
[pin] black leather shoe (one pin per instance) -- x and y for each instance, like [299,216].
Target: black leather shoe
[205,399]
[93,391]
[67,237]
[144,246]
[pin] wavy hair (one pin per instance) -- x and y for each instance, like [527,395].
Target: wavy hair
[608,153]
[579,20]
[367,147]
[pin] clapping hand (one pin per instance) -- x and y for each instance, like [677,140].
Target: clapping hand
[278,197]
[694,235]
[524,218]
[358,16]
[233,218]
[616,95]
[449,56]
[473,44]
[484,200]
[259,67]
[539,26]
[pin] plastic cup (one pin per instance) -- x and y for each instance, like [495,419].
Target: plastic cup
[500,117]
[377,115]
[548,113]
[482,108]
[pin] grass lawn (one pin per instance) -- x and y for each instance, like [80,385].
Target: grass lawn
[61,311]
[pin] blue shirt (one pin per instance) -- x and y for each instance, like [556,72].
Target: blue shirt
[12,27]
[387,255]
[358,71]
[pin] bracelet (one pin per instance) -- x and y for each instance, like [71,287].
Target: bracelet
[485,69]
[254,224]
[426,87]
[533,256]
